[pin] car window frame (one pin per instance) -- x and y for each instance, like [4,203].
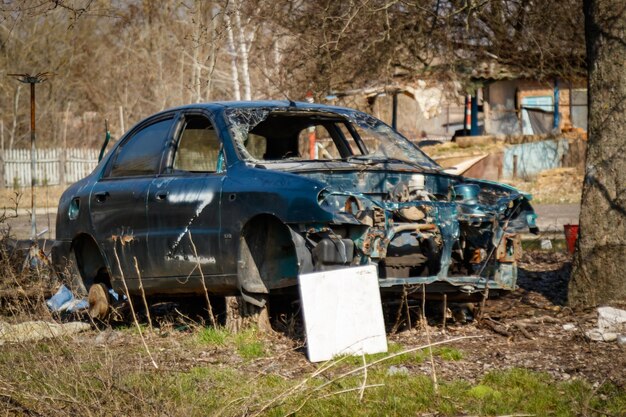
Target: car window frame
[334,118]
[175,137]
[106,174]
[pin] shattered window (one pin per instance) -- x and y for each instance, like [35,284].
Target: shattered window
[266,135]
[286,135]
[383,142]
[240,122]
[354,148]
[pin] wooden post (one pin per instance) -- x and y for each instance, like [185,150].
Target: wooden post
[33,157]
[486,112]
[62,160]
[2,176]
[122,129]
[2,183]
[394,110]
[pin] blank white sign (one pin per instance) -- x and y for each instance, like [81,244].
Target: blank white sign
[342,312]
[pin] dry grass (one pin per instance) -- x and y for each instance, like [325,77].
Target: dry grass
[555,186]
[206,370]
[213,375]
[209,371]
[44,197]
[452,149]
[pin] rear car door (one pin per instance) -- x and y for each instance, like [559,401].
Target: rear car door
[184,208]
[118,200]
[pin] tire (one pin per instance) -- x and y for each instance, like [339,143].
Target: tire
[72,277]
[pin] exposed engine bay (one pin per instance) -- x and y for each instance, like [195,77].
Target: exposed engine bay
[427,228]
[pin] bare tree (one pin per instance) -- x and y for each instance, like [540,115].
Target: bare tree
[232,51]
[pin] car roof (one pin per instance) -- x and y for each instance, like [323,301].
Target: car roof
[277,104]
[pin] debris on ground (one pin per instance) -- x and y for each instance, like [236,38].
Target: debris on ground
[397,370]
[31,331]
[611,324]
[107,337]
[65,300]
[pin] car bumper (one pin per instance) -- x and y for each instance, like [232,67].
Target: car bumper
[504,278]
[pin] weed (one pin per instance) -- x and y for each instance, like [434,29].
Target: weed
[212,336]
[250,350]
[392,348]
[448,353]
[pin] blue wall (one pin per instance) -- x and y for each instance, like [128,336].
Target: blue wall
[534,157]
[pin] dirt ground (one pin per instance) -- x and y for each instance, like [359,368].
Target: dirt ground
[523,329]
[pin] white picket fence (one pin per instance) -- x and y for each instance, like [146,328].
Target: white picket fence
[53,166]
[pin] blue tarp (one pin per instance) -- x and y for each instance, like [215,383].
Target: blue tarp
[64,300]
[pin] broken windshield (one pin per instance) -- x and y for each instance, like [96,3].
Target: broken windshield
[265,135]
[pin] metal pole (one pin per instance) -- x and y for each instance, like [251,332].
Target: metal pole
[394,111]
[313,152]
[32,80]
[474,116]
[33,157]
[466,116]
[556,123]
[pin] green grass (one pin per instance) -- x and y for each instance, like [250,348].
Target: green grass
[212,336]
[60,377]
[444,352]
[448,353]
[247,343]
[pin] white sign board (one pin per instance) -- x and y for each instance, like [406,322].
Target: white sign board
[342,312]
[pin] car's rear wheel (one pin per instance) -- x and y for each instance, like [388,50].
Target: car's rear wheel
[88,276]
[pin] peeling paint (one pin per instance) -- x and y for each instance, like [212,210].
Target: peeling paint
[204,199]
[200,259]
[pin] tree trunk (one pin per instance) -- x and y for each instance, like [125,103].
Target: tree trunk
[16,105]
[240,315]
[197,68]
[243,54]
[233,56]
[598,273]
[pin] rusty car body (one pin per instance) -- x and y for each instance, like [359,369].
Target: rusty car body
[242,197]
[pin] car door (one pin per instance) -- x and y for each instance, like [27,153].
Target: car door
[184,208]
[118,200]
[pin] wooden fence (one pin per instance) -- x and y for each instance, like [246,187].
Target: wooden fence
[53,166]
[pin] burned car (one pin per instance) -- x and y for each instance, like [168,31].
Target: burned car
[239,198]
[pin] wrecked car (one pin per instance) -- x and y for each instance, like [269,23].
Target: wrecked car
[239,198]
